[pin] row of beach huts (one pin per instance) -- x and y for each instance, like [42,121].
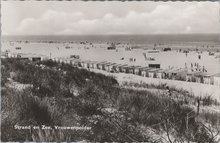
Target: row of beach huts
[151,71]
[182,74]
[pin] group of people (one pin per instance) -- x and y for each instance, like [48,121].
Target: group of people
[197,67]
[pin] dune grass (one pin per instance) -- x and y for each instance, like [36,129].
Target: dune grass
[67,96]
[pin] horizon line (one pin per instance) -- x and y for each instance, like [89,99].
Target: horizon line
[114,34]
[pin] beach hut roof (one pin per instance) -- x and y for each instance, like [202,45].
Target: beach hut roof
[161,70]
[86,61]
[70,58]
[192,72]
[109,64]
[113,64]
[145,69]
[217,75]
[131,67]
[165,70]
[134,67]
[178,70]
[117,65]
[103,62]
[200,74]
[174,70]
[94,62]
[75,59]
[30,55]
[125,65]
[209,74]
[154,70]
[106,63]
[91,62]
[138,67]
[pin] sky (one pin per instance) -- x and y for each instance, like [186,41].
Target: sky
[108,18]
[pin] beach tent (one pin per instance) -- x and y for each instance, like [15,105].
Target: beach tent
[208,78]
[109,66]
[153,73]
[76,62]
[137,70]
[93,64]
[144,71]
[190,76]
[216,78]
[116,67]
[100,65]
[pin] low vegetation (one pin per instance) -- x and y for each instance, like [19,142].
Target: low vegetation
[62,95]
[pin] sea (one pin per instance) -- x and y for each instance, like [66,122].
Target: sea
[131,39]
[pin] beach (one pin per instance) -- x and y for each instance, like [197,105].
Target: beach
[124,53]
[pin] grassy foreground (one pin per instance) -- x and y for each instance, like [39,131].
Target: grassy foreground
[65,96]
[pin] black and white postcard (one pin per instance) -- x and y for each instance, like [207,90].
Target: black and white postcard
[110,71]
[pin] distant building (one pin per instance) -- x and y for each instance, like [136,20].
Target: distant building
[111,47]
[167,49]
[153,64]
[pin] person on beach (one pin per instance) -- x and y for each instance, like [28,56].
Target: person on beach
[185,65]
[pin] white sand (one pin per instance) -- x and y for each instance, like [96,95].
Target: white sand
[99,52]
[197,89]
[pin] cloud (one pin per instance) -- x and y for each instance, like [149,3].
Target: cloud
[51,22]
[196,18]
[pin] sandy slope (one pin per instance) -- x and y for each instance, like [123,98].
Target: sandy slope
[198,89]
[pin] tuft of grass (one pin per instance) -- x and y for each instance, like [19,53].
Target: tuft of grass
[211,118]
[40,135]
